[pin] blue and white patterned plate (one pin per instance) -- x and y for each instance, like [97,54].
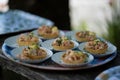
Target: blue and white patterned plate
[110,74]
[70,35]
[15,52]
[111,49]
[57,59]
[48,44]
[12,41]
[17,20]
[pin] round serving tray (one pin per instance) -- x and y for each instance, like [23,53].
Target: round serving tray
[50,65]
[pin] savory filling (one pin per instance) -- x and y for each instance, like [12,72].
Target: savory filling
[86,34]
[46,30]
[33,52]
[74,57]
[62,41]
[29,37]
[96,46]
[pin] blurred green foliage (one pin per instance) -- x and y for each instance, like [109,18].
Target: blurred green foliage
[114,27]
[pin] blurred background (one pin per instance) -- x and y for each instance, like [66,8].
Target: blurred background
[100,16]
[55,10]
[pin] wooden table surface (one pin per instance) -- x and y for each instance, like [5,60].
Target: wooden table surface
[39,74]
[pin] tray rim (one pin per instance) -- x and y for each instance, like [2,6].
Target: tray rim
[57,68]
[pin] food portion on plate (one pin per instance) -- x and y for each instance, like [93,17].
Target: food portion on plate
[33,52]
[102,49]
[74,57]
[27,39]
[50,43]
[96,46]
[62,43]
[24,39]
[84,36]
[48,32]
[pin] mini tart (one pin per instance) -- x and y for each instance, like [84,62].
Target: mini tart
[48,32]
[62,43]
[84,36]
[74,57]
[96,47]
[27,39]
[33,52]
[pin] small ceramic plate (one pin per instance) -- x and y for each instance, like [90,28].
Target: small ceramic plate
[70,35]
[57,59]
[12,41]
[61,33]
[15,52]
[110,74]
[48,44]
[111,49]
